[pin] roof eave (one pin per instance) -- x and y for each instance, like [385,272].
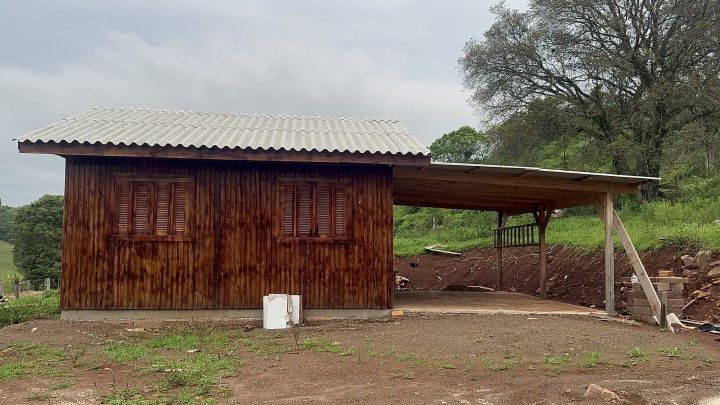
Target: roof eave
[203,153]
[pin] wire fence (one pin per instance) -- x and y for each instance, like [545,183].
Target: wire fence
[28,287]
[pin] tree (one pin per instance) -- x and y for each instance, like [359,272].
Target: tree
[7,215]
[37,236]
[636,70]
[464,145]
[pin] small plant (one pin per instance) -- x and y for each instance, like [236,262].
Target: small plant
[639,354]
[296,336]
[556,360]
[674,352]
[447,366]
[126,352]
[40,396]
[708,361]
[592,359]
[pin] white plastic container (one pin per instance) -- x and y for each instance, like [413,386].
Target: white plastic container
[281,310]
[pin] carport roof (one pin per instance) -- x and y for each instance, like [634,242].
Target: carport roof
[509,189]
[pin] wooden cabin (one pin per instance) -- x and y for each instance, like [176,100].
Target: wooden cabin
[172,214]
[170,210]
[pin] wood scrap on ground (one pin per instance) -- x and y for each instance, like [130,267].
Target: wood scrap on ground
[434,249]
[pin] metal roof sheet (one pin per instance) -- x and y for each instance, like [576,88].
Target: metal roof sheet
[131,126]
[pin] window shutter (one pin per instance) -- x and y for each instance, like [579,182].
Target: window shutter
[141,208]
[340,204]
[180,208]
[288,206]
[162,216]
[304,220]
[123,206]
[323,211]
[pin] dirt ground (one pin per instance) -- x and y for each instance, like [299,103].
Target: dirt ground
[469,359]
[574,276]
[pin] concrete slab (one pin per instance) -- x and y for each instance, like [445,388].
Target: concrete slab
[486,302]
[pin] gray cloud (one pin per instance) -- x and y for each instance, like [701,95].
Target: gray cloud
[372,58]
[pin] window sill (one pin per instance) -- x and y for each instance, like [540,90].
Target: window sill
[313,239]
[150,238]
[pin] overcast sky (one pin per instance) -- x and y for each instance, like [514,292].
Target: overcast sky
[376,58]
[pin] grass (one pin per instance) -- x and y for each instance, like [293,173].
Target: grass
[8,271]
[650,225]
[42,306]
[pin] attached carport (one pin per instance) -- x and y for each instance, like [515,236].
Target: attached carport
[512,190]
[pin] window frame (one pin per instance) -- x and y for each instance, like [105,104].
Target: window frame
[152,180]
[314,184]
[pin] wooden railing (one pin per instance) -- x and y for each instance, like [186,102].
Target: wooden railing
[516,236]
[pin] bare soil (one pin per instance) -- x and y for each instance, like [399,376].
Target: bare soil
[574,276]
[487,359]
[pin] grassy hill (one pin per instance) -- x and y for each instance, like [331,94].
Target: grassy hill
[650,226]
[7,266]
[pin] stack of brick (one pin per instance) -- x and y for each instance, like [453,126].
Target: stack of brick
[639,305]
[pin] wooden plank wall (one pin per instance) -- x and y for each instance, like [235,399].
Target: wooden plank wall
[234,258]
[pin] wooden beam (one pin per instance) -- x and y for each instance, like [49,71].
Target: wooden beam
[637,266]
[542,217]
[592,185]
[608,211]
[165,152]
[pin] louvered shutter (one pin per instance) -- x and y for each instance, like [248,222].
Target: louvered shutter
[123,206]
[180,208]
[340,214]
[304,213]
[162,204]
[288,208]
[323,211]
[141,208]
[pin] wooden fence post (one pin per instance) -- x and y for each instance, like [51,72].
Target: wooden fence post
[501,218]
[608,220]
[16,287]
[47,284]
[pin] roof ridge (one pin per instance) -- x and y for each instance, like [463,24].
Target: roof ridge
[188,112]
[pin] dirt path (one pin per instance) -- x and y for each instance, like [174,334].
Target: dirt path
[486,359]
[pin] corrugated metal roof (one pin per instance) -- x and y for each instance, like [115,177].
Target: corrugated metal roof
[131,126]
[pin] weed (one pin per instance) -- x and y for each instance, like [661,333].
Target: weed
[694,341]
[12,371]
[674,352]
[556,360]
[639,354]
[592,359]
[708,361]
[63,384]
[447,366]
[174,341]
[126,352]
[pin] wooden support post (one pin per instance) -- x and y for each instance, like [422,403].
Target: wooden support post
[16,287]
[608,210]
[499,253]
[47,284]
[542,217]
[663,309]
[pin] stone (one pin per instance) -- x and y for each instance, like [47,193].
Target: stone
[714,272]
[597,392]
[662,286]
[702,258]
[687,260]
[700,294]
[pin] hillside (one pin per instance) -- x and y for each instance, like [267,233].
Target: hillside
[7,266]
[651,226]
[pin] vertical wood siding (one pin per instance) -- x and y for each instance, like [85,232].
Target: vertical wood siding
[234,256]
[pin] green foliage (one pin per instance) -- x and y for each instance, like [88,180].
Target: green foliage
[37,235]
[464,145]
[8,271]
[651,225]
[7,216]
[24,309]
